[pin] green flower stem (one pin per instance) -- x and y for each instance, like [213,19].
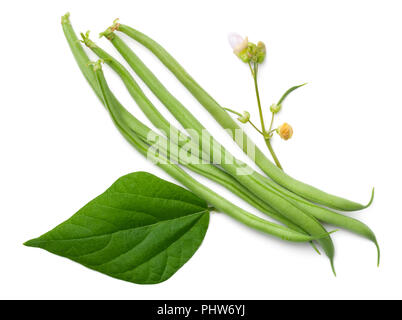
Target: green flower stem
[272,122]
[257,93]
[255,127]
[234,112]
[226,121]
[266,138]
[269,145]
[249,121]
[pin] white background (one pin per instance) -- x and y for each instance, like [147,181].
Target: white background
[59,148]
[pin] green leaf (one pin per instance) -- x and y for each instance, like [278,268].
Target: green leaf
[142,229]
[288,92]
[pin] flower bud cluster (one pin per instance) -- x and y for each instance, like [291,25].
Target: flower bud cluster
[247,51]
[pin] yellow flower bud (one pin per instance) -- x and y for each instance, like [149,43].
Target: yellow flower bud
[285,131]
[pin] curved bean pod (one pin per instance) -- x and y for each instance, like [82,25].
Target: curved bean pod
[328,216]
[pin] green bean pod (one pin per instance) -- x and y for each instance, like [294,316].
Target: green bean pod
[225,120]
[328,216]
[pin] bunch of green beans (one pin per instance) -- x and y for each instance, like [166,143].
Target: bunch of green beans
[205,169]
[226,121]
[284,199]
[252,181]
[126,121]
[189,121]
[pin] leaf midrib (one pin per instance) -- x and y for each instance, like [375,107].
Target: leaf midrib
[115,232]
[151,197]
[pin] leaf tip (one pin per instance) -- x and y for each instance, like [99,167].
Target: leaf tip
[30,243]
